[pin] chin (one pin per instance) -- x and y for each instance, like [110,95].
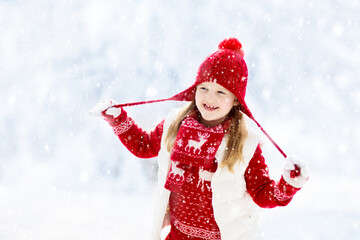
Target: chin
[210,119]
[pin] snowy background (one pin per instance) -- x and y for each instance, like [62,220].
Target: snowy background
[64,175]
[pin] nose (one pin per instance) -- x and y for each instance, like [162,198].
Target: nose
[210,97]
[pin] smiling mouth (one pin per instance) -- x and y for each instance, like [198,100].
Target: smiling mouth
[210,108]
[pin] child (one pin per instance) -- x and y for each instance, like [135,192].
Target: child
[212,173]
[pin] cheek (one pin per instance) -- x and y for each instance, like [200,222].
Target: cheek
[197,100]
[228,102]
[199,96]
[227,105]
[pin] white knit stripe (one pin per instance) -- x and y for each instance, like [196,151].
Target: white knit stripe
[123,127]
[195,232]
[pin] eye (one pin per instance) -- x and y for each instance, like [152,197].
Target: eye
[221,92]
[202,88]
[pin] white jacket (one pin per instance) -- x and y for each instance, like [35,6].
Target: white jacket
[234,210]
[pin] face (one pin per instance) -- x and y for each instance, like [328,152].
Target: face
[214,103]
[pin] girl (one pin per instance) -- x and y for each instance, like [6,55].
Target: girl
[212,174]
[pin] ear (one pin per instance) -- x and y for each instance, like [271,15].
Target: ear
[236,102]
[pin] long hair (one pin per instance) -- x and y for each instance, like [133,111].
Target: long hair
[237,134]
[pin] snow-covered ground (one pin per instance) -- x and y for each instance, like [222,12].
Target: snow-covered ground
[64,175]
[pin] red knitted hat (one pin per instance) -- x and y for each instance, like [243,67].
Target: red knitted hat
[226,67]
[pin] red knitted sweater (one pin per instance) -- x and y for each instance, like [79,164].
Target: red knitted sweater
[191,210]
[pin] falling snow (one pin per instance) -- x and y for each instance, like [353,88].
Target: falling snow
[64,175]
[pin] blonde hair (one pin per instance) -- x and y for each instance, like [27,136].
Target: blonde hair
[237,134]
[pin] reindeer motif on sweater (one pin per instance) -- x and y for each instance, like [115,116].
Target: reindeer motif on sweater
[196,145]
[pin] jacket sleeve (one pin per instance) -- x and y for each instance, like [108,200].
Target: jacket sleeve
[265,192]
[143,144]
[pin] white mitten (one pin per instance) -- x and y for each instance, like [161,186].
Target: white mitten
[98,110]
[295,172]
[113,111]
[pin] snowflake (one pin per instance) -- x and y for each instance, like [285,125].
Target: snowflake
[211,150]
[180,142]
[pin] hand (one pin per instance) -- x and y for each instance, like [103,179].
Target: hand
[104,107]
[111,114]
[295,172]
